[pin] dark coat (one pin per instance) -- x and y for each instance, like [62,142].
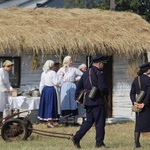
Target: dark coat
[143,118]
[95,110]
[97,78]
[145,86]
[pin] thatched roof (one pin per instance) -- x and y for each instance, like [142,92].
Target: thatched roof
[50,31]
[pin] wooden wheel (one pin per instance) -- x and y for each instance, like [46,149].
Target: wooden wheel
[29,126]
[14,130]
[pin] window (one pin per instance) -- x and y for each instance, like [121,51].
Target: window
[14,75]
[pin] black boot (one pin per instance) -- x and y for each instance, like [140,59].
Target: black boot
[76,142]
[137,137]
[137,145]
[101,145]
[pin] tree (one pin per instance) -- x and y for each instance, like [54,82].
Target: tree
[74,4]
[81,4]
[141,7]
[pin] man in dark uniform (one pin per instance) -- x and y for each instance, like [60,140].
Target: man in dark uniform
[95,108]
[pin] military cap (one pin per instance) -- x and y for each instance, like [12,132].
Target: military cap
[99,58]
[145,66]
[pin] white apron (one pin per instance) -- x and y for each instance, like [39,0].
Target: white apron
[4,84]
[2,101]
[58,97]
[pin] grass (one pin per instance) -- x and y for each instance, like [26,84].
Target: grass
[118,137]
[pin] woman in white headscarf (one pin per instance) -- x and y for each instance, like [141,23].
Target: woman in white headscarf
[82,67]
[5,86]
[68,87]
[48,110]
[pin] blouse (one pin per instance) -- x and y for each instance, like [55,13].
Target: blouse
[49,78]
[4,81]
[70,74]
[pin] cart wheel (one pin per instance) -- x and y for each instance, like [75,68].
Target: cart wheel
[29,126]
[14,130]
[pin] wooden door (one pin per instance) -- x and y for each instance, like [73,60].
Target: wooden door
[108,77]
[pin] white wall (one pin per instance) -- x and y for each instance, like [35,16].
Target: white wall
[121,84]
[121,89]
[30,78]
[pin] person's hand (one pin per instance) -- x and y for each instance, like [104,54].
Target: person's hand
[7,91]
[14,90]
[78,102]
[141,106]
[62,74]
[136,104]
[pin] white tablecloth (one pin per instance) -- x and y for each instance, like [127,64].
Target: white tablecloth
[25,103]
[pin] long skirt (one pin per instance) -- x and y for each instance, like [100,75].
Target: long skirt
[68,103]
[143,120]
[48,104]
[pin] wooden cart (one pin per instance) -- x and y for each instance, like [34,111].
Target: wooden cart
[16,128]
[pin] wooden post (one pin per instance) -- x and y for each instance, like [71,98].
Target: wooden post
[112,5]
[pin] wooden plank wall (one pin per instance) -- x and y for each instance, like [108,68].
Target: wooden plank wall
[29,79]
[121,89]
[121,84]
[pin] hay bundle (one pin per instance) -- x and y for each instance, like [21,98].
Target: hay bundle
[72,31]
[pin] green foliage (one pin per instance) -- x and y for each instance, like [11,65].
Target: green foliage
[141,7]
[81,4]
[74,4]
[105,4]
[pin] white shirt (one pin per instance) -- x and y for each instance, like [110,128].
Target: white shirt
[4,81]
[71,74]
[49,78]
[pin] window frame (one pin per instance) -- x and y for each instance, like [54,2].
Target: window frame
[18,59]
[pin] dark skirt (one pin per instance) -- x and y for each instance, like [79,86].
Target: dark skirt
[48,109]
[143,120]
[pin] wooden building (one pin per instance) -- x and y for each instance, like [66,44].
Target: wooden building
[51,33]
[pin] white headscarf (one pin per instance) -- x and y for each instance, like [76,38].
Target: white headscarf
[82,66]
[48,64]
[65,61]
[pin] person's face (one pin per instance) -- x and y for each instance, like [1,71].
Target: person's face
[83,69]
[101,65]
[69,62]
[148,72]
[8,68]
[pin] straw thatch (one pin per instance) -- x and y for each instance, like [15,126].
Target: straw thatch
[73,31]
